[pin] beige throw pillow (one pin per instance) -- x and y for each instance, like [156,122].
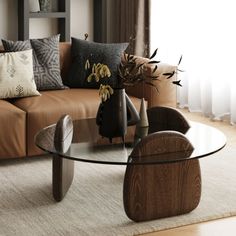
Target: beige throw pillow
[16,75]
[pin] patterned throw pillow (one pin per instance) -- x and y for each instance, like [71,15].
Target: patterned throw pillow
[45,60]
[81,50]
[16,75]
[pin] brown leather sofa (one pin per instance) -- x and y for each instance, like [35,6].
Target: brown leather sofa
[22,118]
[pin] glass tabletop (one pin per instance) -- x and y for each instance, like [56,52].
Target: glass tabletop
[88,146]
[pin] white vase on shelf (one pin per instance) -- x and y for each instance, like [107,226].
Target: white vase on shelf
[34,6]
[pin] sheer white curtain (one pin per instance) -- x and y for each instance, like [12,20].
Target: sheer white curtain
[204,32]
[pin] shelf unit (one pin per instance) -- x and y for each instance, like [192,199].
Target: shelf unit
[62,15]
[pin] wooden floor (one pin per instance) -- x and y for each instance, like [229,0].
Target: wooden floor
[221,227]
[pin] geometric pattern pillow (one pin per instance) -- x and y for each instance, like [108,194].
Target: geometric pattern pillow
[81,50]
[16,75]
[46,60]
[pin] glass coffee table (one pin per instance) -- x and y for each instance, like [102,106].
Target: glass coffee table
[162,177]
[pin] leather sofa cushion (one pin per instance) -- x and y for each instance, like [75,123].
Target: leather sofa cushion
[12,126]
[47,109]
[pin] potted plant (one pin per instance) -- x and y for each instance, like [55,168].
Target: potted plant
[116,111]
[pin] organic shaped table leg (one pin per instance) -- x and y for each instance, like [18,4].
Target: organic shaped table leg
[155,191]
[166,118]
[158,191]
[62,176]
[63,169]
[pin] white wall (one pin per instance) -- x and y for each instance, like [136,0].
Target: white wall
[82,18]
[8,19]
[81,21]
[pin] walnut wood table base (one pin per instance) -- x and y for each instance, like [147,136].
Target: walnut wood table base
[150,191]
[62,176]
[158,191]
[161,189]
[162,176]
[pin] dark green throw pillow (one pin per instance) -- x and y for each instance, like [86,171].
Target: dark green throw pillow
[81,50]
[46,60]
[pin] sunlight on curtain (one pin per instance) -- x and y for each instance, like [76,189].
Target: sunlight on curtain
[203,31]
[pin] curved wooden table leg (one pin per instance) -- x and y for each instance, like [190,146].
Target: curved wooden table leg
[157,191]
[62,176]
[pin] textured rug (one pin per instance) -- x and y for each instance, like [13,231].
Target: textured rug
[93,205]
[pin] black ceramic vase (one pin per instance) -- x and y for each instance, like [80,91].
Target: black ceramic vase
[112,115]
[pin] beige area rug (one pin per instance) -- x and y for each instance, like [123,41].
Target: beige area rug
[93,205]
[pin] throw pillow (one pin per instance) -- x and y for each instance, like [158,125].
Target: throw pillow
[16,75]
[81,50]
[45,60]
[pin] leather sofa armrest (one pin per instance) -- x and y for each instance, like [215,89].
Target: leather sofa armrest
[166,94]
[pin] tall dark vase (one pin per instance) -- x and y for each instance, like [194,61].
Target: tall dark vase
[112,116]
[115,114]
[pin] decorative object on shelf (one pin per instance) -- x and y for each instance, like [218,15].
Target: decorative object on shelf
[45,5]
[34,6]
[63,134]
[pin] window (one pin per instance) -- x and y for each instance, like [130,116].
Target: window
[203,31]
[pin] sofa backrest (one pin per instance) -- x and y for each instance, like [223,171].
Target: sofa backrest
[65,59]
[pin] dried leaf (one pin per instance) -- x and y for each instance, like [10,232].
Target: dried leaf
[129,57]
[154,54]
[132,68]
[154,70]
[153,77]
[180,70]
[177,83]
[169,75]
[154,62]
[125,56]
[140,65]
[180,60]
